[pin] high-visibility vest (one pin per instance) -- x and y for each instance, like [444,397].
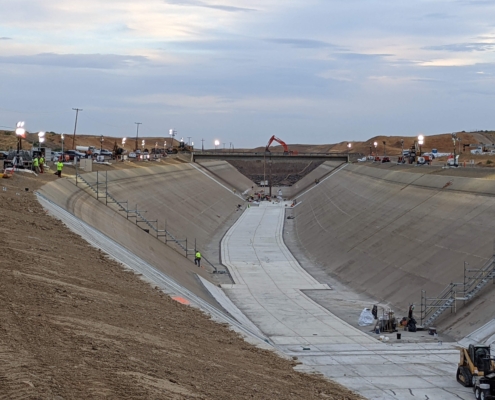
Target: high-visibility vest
[42,160]
[198,254]
[35,162]
[60,165]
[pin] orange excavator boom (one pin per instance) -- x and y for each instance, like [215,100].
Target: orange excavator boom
[280,141]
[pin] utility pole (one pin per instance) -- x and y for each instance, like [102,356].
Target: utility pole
[270,164]
[202,145]
[75,127]
[137,133]
[264,169]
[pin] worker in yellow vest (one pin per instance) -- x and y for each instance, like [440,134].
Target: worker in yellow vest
[197,258]
[42,163]
[60,165]
[36,164]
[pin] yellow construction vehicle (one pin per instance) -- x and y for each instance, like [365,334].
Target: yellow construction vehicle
[477,370]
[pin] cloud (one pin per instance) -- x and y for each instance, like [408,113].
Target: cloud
[90,61]
[437,15]
[5,38]
[302,43]
[198,3]
[361,56]
[476,2]
[463,47]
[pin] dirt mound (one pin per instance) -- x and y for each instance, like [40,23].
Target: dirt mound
[392,146]
[74,324]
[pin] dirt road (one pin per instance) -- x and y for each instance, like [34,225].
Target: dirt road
[76,325]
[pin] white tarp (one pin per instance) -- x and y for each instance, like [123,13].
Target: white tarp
[366,318]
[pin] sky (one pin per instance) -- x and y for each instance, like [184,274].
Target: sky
[307,71]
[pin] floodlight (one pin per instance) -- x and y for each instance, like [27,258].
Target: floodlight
[20,131]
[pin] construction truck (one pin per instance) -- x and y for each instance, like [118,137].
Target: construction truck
[477,370]
[282,143]
[181,148]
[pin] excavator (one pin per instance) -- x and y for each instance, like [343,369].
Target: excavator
[282,143]
[477,370]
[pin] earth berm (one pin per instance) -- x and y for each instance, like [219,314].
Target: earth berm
[76,325]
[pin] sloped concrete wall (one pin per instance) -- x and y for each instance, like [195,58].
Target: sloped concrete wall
[309,180]
[193,206]
[391,234]
[228,174]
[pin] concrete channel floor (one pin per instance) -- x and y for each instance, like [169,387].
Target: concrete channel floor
[268,290]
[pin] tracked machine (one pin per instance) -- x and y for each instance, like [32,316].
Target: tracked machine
[282,143]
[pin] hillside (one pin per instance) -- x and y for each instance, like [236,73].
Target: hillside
[53,140]
[441,142]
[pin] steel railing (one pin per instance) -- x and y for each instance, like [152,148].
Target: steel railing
[161,234]
[474,281]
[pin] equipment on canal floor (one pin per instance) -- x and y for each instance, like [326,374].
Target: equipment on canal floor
[386,323]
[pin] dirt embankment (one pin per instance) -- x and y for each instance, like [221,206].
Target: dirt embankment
[76,325]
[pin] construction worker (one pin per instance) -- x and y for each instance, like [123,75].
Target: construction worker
[42,163]
[36,164]
[197,258]
[60,165]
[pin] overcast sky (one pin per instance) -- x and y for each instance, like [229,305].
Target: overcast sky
[307,71]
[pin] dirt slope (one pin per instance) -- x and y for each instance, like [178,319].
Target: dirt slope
[393,146]
[75,325]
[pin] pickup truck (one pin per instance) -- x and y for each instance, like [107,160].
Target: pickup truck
[73,154]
